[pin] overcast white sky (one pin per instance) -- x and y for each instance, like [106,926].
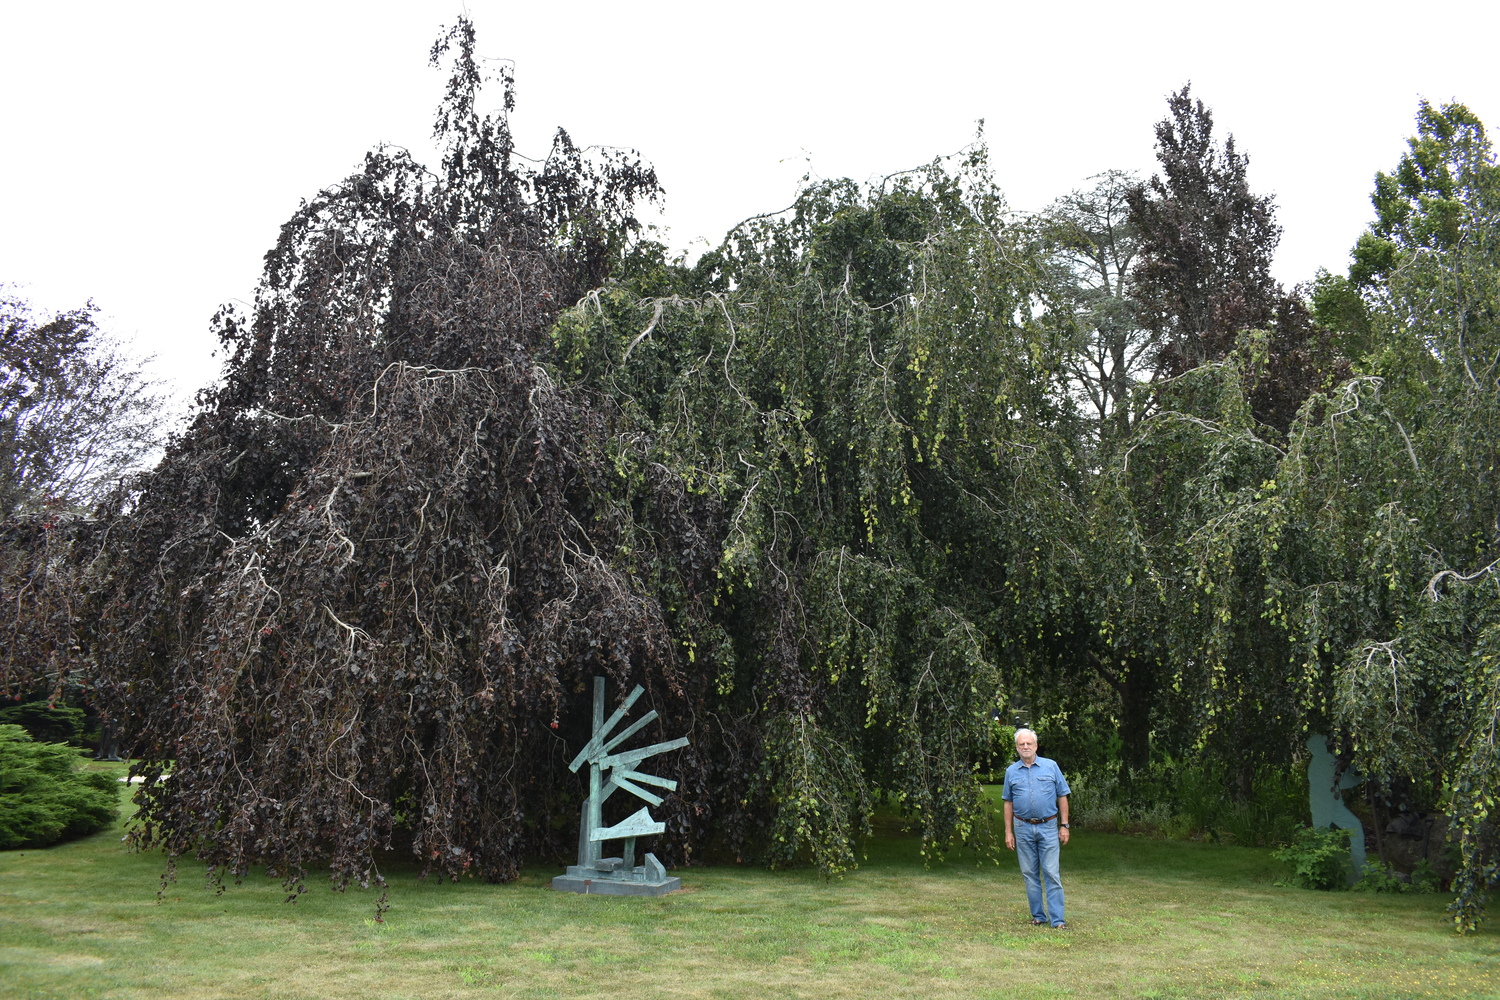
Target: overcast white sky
[151,150]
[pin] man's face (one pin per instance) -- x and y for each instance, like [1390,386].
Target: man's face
[1026,748]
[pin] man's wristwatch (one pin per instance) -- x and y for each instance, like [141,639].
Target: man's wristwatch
[1063,825]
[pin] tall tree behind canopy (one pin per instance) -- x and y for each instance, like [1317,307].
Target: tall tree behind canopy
[1166,282]
[76,414]
[1094,246]
[1206,242]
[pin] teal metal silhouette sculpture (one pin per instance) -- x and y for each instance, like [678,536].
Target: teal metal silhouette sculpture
[608,773]
[1327,802]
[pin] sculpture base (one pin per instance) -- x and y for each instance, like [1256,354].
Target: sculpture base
[614,887]
[611,879]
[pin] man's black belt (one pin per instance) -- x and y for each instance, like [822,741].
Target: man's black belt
[1044,819]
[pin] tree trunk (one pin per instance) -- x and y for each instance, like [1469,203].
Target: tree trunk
[1137,695]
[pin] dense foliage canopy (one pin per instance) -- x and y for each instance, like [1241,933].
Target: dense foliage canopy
[865,386]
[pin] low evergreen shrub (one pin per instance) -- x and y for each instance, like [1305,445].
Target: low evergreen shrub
[1424,878]
[44,798]
[46,722]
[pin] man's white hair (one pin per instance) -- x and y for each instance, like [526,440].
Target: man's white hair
[1028,732]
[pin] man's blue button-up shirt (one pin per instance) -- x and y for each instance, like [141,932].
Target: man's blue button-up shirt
[1033,791]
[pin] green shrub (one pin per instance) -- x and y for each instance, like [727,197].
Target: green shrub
[1276,811]
[1191,801]
[47,723]
[1380,878]
[1319,859]
[1424,878]
[1098,804]
[1196,796]
[1384,878]
[44,798]
[999,754]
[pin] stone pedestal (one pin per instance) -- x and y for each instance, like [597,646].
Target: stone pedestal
[610,877]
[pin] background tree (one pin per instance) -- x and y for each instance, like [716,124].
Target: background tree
[1093,243]
[78,416]
[1204,274]
[1235,357]
[76,413]
[1206,242]
[1166,277]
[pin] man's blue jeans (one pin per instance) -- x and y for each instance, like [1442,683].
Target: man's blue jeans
[1037,849]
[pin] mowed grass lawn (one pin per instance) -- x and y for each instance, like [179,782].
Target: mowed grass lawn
[1150,919]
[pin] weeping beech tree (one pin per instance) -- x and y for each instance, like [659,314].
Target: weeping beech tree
[1402,470]
[358,603]
[865,386]
[1371,543]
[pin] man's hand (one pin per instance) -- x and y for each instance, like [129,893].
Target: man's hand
[1010,839]
[1062,835]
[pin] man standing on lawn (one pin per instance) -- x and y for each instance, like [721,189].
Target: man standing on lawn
[1036,825]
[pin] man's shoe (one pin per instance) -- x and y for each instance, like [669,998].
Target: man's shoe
[1037,923]
[1061,925]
